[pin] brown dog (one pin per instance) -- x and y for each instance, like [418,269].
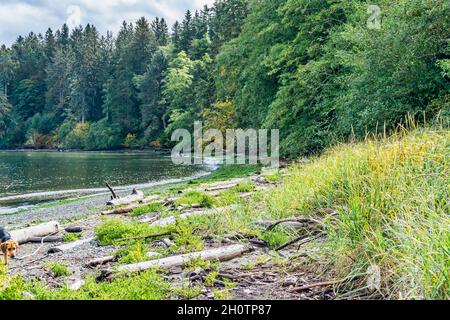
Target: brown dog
[7,245]
[9,249]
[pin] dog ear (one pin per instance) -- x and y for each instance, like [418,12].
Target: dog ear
[4,247]
[16,243]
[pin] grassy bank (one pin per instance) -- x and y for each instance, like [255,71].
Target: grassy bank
[389,238]
[392,198]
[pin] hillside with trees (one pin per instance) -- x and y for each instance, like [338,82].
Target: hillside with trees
[312,69]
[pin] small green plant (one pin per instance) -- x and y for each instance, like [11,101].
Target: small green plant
[226,172]
[275,238]
[228,197]
[58,269]
[273,177]
[245,187]
[211,278]
[69,237]
[197,263]
[148,285]
[11,287]
[186,238]
[150,208]
[198,198]
[225,294]
[249,265]
[132,254]
[187,292]
[113,229]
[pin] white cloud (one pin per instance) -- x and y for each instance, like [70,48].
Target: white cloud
[19,17]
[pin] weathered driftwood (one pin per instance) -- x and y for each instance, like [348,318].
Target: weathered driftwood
[119,210]
[246,195]
[190,206]
[128,209]
[222,254]
[69,246]
[167,242]
[41,230]
[114,195]
[222,187]
[45,239]
[149,218]
[173,220]
[135,196]
[100,261]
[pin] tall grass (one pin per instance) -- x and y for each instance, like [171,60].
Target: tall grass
[392,198]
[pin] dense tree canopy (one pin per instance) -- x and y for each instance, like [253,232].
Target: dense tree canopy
[313,69]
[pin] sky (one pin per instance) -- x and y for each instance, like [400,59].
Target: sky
[19,17]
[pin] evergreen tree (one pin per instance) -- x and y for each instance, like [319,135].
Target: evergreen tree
[50,44]
[187,32]
[161,31]
[58,82]
[142,47]
[62,36]
[7,66]
[85,85]
[176,37]
[153,107]
[121,102]
[311,68]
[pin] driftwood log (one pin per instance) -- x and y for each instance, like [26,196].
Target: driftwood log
[149,218]
[69,246]
[45,239]
[173,220]
[128,209]
[41,230]
[100,261]
[136,195]
[222,254]
[114,195]
[222,187]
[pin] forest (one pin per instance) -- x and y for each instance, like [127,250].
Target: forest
[311,68]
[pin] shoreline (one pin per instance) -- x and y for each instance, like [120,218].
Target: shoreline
[82,195]
[74,209]
[121,150]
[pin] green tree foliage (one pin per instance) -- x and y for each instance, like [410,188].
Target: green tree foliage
[311,68]
[5,109]
[315,70]
[241,64]
[394,70]
[226,20]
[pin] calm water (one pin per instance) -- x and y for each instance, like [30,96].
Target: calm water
[31,177]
